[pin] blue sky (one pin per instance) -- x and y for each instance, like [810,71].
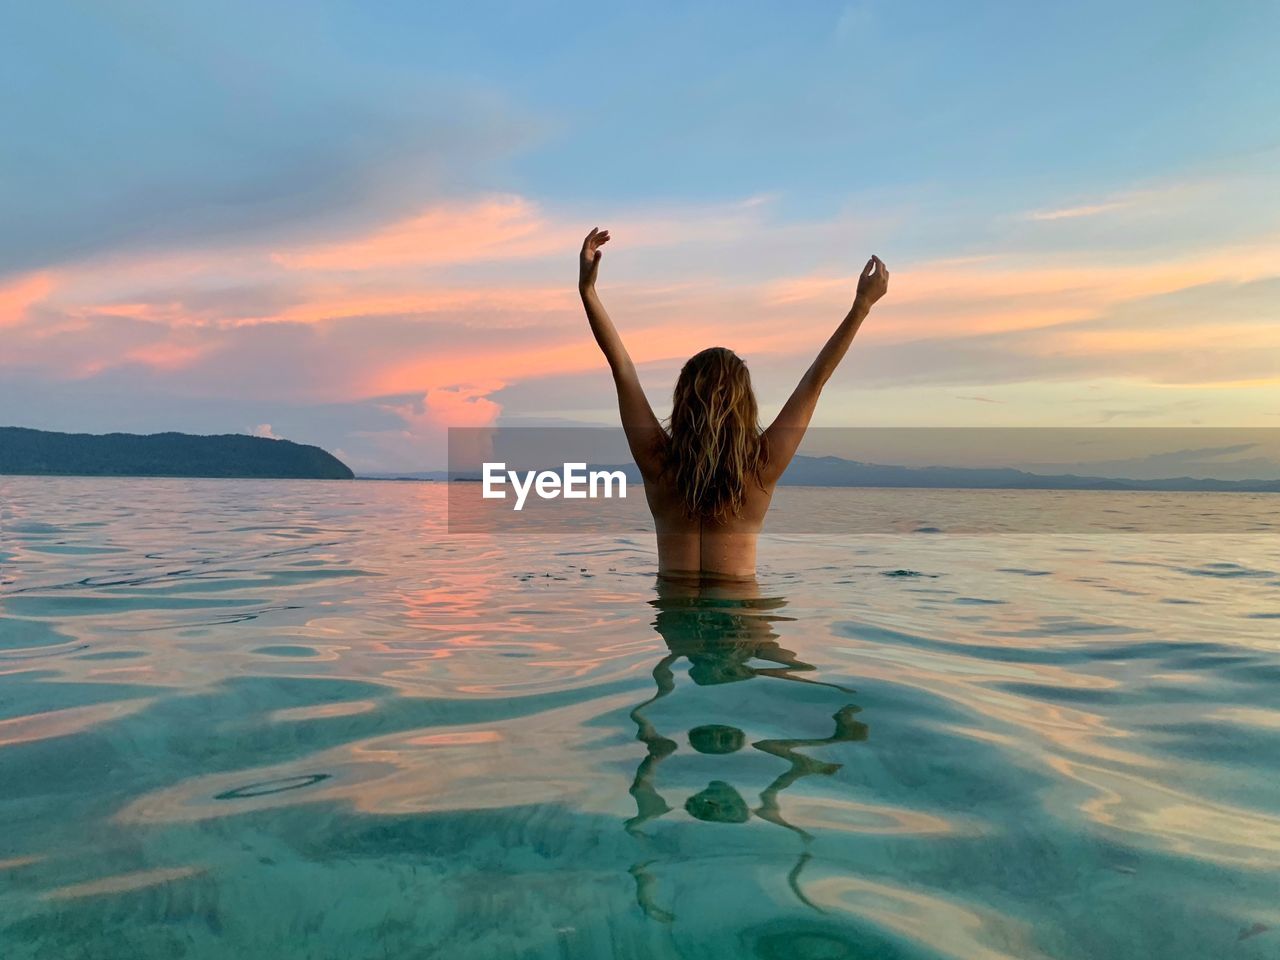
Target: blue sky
[211,212]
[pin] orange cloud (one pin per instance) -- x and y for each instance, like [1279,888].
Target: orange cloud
[333,302]
[566,349]
[19,296]
[165,356]
[1123,340]
[996,294]
[381,328]
[425,424]
[508,227]
[467,406]
[493,228]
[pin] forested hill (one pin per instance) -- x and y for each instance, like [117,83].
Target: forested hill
[26,451]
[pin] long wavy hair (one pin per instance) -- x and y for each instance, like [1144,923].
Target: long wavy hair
[715,445]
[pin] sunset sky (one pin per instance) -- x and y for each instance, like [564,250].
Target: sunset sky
[357,224]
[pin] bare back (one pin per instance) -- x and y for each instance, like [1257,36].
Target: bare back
[701,547]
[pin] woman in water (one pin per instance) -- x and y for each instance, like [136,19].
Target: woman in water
[710,474]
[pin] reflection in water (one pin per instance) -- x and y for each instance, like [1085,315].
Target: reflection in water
[723,630]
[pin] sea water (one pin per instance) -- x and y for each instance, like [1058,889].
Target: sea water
[277,719]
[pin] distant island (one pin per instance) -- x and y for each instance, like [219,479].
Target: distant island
[839,472]
[45,452]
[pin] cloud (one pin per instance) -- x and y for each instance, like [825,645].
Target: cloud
[153,135]
[21,294]
[463,310]
[493,228]
[1086,210]
[1153,200]
[420,438]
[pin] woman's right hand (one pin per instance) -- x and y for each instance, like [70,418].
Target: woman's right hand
[589,261]
[873,283]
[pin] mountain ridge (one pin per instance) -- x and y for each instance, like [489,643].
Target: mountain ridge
[26,451]
[839,472]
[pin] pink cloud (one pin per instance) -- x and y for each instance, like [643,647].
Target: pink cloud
[20,295]
[1012,293]
[501,227]
[454,302]
[165,355]
[333,302]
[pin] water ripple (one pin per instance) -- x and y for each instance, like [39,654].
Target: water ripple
[300,720]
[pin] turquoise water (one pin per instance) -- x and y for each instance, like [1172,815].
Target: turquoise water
[288,719]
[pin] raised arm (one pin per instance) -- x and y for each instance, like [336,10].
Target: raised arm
[787,430]
[643,431]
